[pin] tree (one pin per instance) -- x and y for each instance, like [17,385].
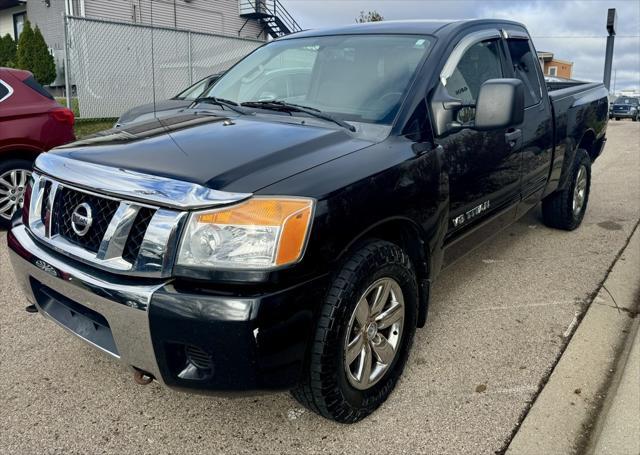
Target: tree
[24,51]
[44,66]
[370,16]
[33,55]
[7,51]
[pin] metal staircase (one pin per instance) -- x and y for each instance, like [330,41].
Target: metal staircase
[274,18]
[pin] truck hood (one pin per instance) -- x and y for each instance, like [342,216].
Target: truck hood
[146,111]
[242,154]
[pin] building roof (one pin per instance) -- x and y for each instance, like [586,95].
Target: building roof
[548,57]
[545,56]
[566,62]
[5,4]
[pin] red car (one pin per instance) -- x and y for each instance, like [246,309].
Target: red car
[31,122]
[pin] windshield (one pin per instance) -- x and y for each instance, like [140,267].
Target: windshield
[361,78]
[196,90]
[626,100]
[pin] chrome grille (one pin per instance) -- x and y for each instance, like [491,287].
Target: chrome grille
[123,237]
[45,196]
[136,236]
[103,210]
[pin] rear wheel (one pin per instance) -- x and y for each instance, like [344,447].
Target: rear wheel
[363,336]
[14,175]
[565,209]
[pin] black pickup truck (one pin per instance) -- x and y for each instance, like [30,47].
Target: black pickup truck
[284,232]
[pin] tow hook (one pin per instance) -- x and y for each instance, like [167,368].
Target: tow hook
[142,377]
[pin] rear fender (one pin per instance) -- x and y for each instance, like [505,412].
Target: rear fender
[586,142]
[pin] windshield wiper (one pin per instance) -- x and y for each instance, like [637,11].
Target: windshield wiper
[223,103]
[283,106]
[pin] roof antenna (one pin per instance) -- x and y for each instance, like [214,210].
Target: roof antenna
[153,65]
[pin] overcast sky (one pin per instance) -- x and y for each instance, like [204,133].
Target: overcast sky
[572,29]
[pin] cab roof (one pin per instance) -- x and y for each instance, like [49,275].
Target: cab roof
[436,28]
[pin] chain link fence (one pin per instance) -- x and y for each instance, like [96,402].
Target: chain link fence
[115,66]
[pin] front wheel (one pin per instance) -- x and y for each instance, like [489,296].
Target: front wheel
[565,209]
[14,175]
[364,334]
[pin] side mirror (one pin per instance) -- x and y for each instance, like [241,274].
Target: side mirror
[500,104]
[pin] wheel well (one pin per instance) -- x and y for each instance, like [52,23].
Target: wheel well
[29,155]
[407,236]
[588,142]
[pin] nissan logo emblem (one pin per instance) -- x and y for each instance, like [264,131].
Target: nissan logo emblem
[81,219]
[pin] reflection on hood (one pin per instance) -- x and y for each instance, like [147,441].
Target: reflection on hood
[152,128]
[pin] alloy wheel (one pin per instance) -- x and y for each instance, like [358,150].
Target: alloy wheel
[12,188]
[580,190]
[374,333]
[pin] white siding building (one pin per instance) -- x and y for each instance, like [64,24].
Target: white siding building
[254,19]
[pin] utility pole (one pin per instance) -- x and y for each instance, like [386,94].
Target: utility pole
[612,19]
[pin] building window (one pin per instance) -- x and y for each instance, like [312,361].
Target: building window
[18,24]
[553,71]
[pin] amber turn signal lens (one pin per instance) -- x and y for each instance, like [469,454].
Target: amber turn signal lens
[291,216]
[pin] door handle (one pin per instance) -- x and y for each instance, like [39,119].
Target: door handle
[513,136]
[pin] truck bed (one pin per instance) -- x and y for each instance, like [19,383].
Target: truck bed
[561,90]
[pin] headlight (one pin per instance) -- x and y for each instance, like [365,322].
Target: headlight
[260,233]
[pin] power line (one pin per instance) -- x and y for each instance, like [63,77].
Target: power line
[583,36]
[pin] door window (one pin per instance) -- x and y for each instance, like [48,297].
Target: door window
[479,64]
[524,68]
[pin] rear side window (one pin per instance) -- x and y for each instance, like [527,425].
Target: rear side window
[32,84]
[524,68]
[5,90]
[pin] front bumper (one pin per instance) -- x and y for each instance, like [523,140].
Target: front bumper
[625,114]
[185,336]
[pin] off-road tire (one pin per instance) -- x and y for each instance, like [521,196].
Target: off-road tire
[557,208]
[325,388]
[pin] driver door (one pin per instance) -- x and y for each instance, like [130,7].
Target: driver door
[484,167]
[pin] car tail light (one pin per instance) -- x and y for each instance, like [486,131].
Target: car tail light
[63,115]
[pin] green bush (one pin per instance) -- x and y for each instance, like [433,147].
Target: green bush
[7,50]
[33,55]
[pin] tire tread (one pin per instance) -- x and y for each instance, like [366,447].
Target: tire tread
[317,392]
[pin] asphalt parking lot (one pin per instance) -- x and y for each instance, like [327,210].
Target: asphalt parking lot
[498,321]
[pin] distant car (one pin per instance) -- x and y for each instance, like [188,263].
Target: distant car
[625,107]
[31,122]
[170,106]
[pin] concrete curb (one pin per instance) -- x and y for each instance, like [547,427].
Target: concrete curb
[564,413]
[618,428]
